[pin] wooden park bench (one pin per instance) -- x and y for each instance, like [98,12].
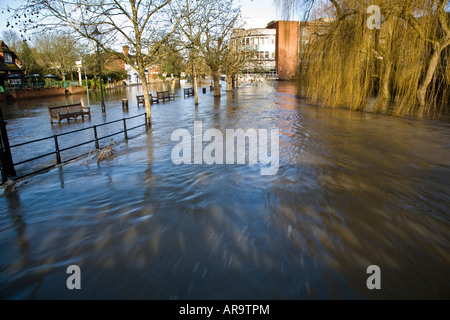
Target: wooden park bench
[153,100]
[189,92]
[69,111]
[141,100]
[165,95]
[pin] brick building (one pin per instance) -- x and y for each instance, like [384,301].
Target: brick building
[133,77]
[280,45]
[292,40]
[10,68]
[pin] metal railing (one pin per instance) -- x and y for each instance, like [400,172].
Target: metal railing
[8,166]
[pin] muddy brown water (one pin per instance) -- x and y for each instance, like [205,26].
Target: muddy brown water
[352,190]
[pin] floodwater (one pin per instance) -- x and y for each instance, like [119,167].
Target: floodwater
[352,190]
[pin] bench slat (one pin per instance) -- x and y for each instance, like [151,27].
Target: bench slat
[189,92]
[69,111]
[165,95]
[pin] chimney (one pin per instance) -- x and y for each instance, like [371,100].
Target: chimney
[125,50]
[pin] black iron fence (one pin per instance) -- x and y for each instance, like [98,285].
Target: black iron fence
[8,167]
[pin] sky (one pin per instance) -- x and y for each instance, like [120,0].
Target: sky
[257,13]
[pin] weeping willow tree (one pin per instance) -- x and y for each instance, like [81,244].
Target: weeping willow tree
[401,68]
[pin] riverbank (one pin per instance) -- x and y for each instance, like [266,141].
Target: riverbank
[56,92]
[40,93]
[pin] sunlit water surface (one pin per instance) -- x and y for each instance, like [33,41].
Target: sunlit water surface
[352,190]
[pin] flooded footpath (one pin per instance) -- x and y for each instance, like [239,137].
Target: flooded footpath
[352,190]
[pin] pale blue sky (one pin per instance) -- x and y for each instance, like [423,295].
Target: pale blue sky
[258,13]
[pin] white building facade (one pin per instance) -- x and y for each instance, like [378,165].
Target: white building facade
[261,42]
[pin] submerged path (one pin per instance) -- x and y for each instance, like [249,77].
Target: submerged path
[352,190]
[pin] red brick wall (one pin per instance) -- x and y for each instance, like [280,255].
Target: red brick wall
[286,52]
[29,94]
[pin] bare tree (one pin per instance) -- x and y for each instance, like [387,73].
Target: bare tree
[217,38]
[12,39]
[57,53]
[207,26]
[144,25]
[192,23]
[237,56]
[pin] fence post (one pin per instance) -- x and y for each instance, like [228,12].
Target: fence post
[125,128]
[5,151]
[4,173]
[146,122]
[97,146]
[58,154]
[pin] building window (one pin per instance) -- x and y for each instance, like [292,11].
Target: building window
[266,55]
[261,40]
[273,40]
[247,41]
[8,57]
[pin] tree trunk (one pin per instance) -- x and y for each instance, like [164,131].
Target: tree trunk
[196,87]
[216,78]
[229,82]
[235,81]
[386,80]
[145,88]
[423,88]
[384,96]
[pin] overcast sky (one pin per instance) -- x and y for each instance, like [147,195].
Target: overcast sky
[258,13]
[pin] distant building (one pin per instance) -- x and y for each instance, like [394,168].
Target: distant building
[261,43]
[153,72]
[10,68]
[133,77]
[278,48]
[293,38]
[114,63]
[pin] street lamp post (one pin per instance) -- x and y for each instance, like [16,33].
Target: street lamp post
[97,35]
